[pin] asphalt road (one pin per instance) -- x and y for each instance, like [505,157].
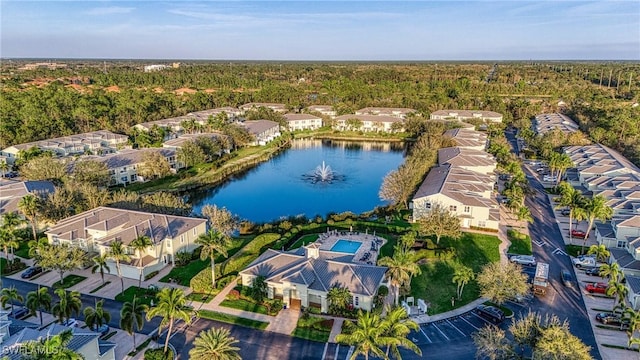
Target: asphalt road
[548,246]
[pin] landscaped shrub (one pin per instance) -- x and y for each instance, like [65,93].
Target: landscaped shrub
[201,283]
[234,294]
[150,275]
[246,227]
[14,265]
[183,258]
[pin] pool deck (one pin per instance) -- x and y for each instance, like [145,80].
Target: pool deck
[370,244]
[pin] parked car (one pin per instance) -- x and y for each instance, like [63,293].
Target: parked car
[613,319]
[578,234]
[19,312]
[593,271]
[565,212]
[11,174]
[585,261]
[567,278]
[550,178]
[598,288]
[528,260]
[70,322]
[491,313]
[31,272]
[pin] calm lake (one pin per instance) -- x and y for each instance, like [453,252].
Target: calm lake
[287,184]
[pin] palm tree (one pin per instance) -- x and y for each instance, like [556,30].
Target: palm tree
[94,318]
[11,220]
[600,251]
[366,336]
[597,208]
[141,244]
[36,245]
[171,307]
[397,326]
[68,304]
[30,207]
[461,276]
[401,268]
[215,344]
[559,163]
[100,265]
[212,242]
[117,253]
[339,298]
[633,316]
[7,240]
[132,317]
[617,289]
[41,349]
[572,199]
[524,214]
[39,300]
[10,295]
[612,271]
[4,167]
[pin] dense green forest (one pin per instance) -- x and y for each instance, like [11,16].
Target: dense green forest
[85,96]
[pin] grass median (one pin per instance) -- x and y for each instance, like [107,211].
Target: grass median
[231,319]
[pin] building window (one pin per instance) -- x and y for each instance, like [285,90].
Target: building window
[134,178]
[194,231]
[181,239]
[467,209]
[453,208]
[622,244]
[482,224]
[427,205]
[356,302]
[168,243]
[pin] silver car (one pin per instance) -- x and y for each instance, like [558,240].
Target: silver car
[528,260]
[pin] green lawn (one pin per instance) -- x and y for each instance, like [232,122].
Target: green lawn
[23,250]
[314,329]
[245,305]
[142,295]
[3,267]
[68,281]
[520,243]
[100,287]
[304,240]
[435,285]
[575,250]
[199,297]
[230,319]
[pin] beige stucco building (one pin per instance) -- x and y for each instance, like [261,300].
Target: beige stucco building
[462,115]
[297,122]
[369,123]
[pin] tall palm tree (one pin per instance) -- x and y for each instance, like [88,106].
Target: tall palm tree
[10,295]
[132,317]
[100,265]
[339,297]
[11,220]
[401,268]
[4,167]
[171,307]
[68,304]
[572,199]
[597,209]
[461,276]
[30,207]
[213,242]
[41,349]
[215,344]
[94,318]
[39,300]
[141,244]
[366,336]
[633,316]
[619,290]
[612,271]
[600,251]
[7,241]
[117,253]
[36,245]
[397,326]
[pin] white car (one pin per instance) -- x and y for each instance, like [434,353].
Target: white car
[528,260]
[550,178]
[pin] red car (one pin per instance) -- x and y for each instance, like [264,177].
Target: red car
[578,234]
[600,288]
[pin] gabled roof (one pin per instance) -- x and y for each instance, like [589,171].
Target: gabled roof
[458,156]
[77,139]
[257,127]
[370,118]
[320,274]
[470,114]
[123,225]
[180,140]
[465,137]
[11,192]
[295,117]
[599,159]
[127,157]
[633,282]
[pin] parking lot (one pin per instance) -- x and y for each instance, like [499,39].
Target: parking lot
[451,329]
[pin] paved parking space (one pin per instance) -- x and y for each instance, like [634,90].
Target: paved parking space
[451,329]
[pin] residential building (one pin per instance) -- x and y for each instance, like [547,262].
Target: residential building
[462,115]
[175,126]
[280,108]
[263,130]
[369,123]
[123,166]
[468,159]
[304,276]
[155,67]
[400,113]
[598,160]
[633,295]
[84,342]
[468,138]
[326,110]
[11,192]
[96,229]
[297,122]
[96,142]
[544,123]
[467,194]
[178,142]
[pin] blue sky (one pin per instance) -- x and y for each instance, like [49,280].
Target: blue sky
[321,30]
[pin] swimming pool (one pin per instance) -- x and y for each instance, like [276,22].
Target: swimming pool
[346,246]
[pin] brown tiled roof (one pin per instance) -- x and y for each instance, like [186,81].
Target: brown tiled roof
[257,127]
[11,192]
[294,117]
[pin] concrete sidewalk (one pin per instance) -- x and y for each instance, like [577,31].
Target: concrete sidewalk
[424,319]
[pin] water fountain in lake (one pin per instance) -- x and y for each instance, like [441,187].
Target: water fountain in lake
[323,174]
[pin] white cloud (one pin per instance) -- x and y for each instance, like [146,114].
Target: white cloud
[111,10]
